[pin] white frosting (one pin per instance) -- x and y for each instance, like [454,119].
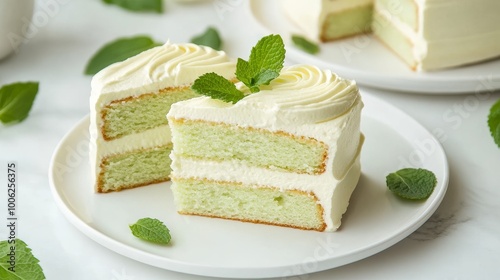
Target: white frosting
[166,66]
[450,33]
[303,101]
[309,15]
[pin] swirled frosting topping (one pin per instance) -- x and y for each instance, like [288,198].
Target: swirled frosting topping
[170,65]
[305,94]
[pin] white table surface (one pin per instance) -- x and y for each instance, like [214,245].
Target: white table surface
[460,241]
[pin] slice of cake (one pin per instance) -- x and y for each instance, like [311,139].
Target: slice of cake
[130,139]
[436,34]
[288,155]
[328,20]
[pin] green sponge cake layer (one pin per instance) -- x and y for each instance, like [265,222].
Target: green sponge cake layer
[236,201]
[134,169]
[256,147]
[347,23]
[134,115]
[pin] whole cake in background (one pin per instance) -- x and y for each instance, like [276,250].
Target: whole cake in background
[129,134]
[425,34]
[288,155]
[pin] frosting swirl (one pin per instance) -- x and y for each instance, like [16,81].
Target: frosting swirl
[305,94]
[170,65]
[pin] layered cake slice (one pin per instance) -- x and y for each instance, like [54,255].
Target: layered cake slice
[130,139]
[328,20]
[288,155]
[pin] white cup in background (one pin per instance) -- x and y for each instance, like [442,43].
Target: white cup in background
[12,13]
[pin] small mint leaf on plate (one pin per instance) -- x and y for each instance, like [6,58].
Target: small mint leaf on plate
[118,50]
[26,265]
[304,44]
[412,183]
[16,101]
[152,230]
[217,87]
[138,5]
[494,122]
[209,38]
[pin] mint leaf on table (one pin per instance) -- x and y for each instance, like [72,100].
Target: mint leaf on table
[138,5]
[20,265]
[118,50]
[209,38]
[16,101]
[411,183]
[304,44]
[152,230]
[494,122]
[217,87]
[265,63]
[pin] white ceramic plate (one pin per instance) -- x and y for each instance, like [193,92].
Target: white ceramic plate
[366,60]
[375,220]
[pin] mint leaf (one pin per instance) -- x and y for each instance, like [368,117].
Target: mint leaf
[217,87]
[305,45]
[138,5]
[16,101]
[265,63]
[17,261]
[118,50]
[151,230]
[265,77]
[411,183]
[494,122]
[242,68]
[209,38]
[268,54]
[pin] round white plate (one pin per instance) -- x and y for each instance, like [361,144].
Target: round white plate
[366,60]
[375,219]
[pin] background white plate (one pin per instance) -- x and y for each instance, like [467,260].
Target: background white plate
[375,220]
[366,60]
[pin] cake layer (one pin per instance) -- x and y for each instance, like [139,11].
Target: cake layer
[257,147]
[135,115]
[134,169]
[347,23]
[249,203]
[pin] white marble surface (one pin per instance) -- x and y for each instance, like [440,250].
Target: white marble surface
[460,241]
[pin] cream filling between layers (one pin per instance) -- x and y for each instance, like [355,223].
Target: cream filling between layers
[310,15]
[167,66]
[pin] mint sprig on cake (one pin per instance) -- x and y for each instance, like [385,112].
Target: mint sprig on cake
[264,65]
